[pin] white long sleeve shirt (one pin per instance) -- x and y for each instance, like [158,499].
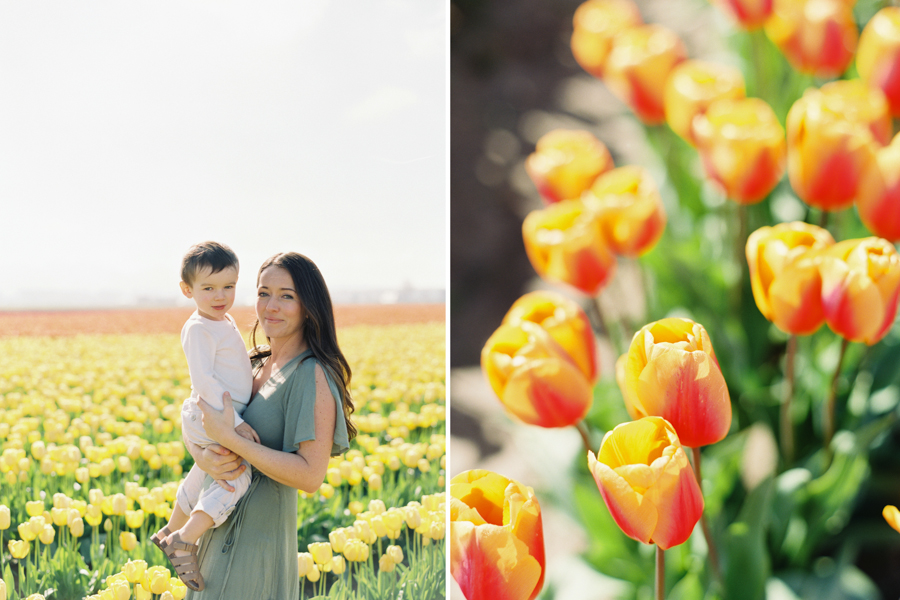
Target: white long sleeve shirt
[218,362]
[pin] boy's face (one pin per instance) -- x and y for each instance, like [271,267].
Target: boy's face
[213,293]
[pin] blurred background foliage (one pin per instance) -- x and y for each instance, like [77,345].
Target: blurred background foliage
[807,529]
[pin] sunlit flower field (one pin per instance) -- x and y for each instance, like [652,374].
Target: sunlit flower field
[91,456]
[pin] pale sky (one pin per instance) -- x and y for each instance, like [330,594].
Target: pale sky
[131,130]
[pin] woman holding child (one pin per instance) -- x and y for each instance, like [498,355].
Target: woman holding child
[299,408]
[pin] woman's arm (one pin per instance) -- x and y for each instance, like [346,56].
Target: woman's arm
[303,470]
[219,463]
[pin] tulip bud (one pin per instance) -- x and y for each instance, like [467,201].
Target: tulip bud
[355,506]
[784,274]
[38,450]
[157,579]
[95,496]
[47,534]
[2,589]
[134,518]
[878,198]
[817,37]
[374,482]
[692,87]
[385,564]
[119,504]
[19,548]
[535,380]
[496,537]
[27,532]
[648,485]
[629,210]
[76,527]
[595,24]
[396,554]
[4,517]
[321,552]
[128,541]
[742,146]
[34,508]
[305,563]
[338,539]
[565,244]
[93,515]
[672,372]
[326,491]
[639,62]
[892,516]
[59,516]
[750,14]
[830,142]
[879,55]
[134,570]
[860,286]
[313,575]
[565,163]
[337,565]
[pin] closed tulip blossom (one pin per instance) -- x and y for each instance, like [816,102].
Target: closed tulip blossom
[860,287]
[784,274]
[565,163]
[566,323]
[830,142]
[595,24]
[878,197]
[878,57]
[629,210]
[818,37]
[750,14]
[496,537]
[565,244]
[892,516]
[648,485]
[672,372]
[535,379]
[638,65]
[692,87]
[742,146]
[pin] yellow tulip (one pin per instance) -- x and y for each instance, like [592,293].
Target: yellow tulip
[305,563]
[157,579]
[134,518]
[374,482]
[672,372]
[742,146]
[321,552]
[860,287]
[19,548]
[648,485]
[692,87]
[638,64]
[784,274]
[134,570]
[629,210]
[59,516]
[879,52]
[176,588]
[2,589]
[565,244]
[533,377]
[313,575]
[817,37]
[377,506]
[566,162]
[496,537]
[95,496]
[76,527]
[142,593]
[355,506]
[38,450]
[121,590]
[396,554]
[34,508]
[878,197]
[119,504]
[338,539]
[4,517]
[385,564]
[26,532]
[47,534]
[128,541]
[337,565]
[892,516]
[93,515]
[595,24]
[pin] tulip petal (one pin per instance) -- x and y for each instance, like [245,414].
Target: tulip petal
[490,563]
[688,390]
[548,392]
[853,306]
[677,491]
[892,516]
[631,512]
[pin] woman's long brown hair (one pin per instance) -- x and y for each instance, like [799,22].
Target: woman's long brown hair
[319,329]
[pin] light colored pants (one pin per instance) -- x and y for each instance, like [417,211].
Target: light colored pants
[215,501]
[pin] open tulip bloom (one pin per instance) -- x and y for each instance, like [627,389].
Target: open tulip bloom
[496,537]
[648,485]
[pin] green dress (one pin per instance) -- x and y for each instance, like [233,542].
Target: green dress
[254,553]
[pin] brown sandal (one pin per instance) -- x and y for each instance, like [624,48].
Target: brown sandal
[187,567]
[159,538]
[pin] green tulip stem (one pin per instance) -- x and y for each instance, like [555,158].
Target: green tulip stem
[582,429]
[828,418]
[787,425]
[712,552]
[660,574]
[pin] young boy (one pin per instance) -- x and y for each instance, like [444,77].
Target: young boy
[218,363]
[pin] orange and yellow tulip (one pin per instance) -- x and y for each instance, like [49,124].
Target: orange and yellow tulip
[566,162]
[878,58]
[672,372]
[784,274]
[892,516]
[639,62]
[565,244]
[878,197]
[535,379]
[496,537]
[566,323]
[817,37]
[692,87]
[750,14]
[595,24]
[830,142]
[629,210]
[860,287]
[647,483]
[742,146]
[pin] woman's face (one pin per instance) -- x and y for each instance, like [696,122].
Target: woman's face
[278,305]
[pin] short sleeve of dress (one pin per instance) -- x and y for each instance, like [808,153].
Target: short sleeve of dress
[299,419]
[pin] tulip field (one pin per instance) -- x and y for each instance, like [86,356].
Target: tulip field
[715,315]
[91,456]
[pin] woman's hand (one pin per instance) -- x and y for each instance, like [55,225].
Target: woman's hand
[219,424]
[220,463]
